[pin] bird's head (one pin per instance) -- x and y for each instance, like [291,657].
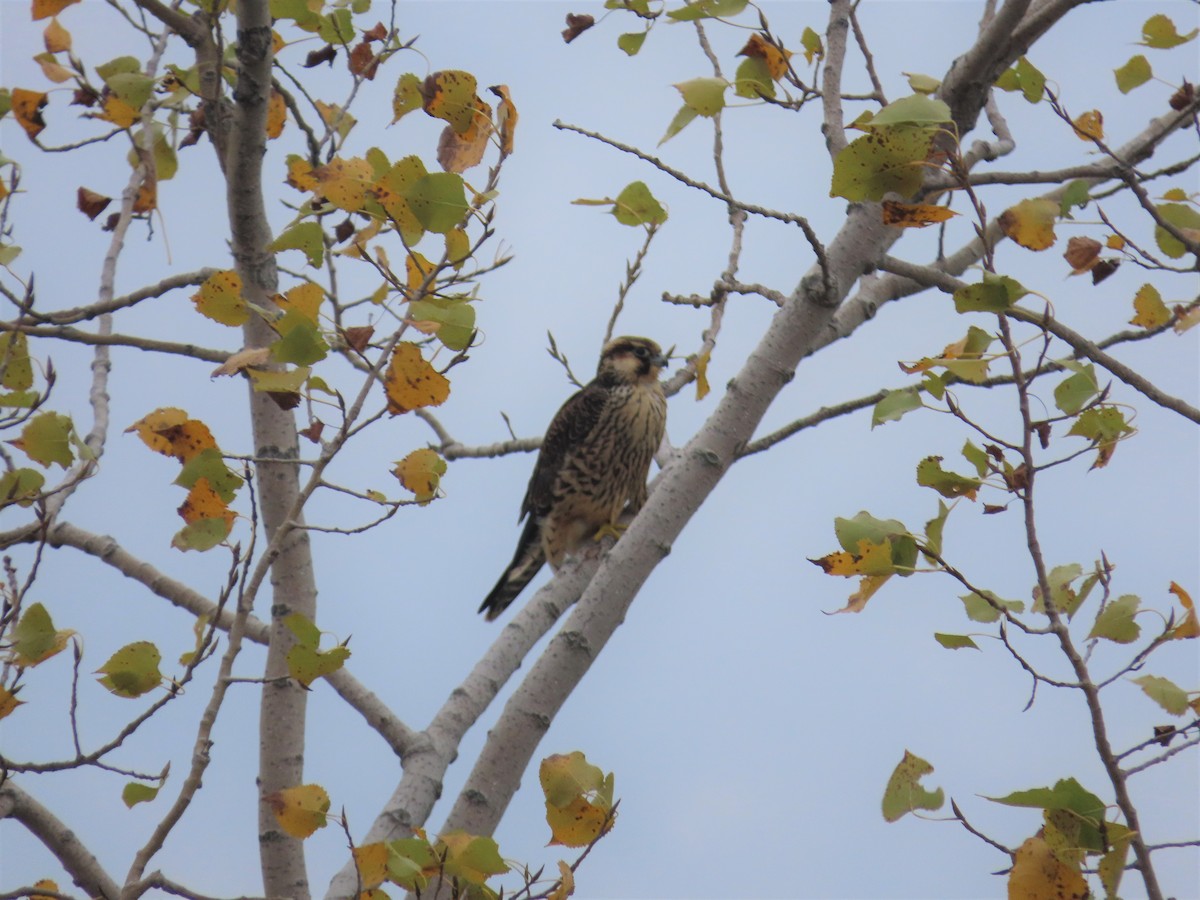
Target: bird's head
[631,359]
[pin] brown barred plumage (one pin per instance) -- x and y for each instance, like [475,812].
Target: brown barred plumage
[593,463]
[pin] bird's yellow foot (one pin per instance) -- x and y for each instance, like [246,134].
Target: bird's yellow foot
[609,530]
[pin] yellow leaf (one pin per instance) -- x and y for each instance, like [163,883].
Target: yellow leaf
[27,106]
[1187,317]
[300,810]
[577,824]
[1115,242]
[44,9]
[566,883]
[170,432]
[1089,126]
[417,269]
[45,884]
[450,95]
[421,472]
[8,702]
[344,182]
[411,382]
[119,112]
[56,38]
[276,115]
[914,215]
[702,387]
[303,298]
[220,299]
[1037,874]
[1149,309]
[1031,223]
[300,173]
[371,862]
[1190,626]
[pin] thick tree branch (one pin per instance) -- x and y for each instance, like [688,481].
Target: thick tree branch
[83,867]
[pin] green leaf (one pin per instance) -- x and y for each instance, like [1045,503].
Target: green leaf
[934,528]
[16,369]
[923,84]
[632,42]
[289,381]
[1134,73]
[976,457]
[135,792]
[904,793]
[34,638]
[895,404]
[307,664]
[1074,393]
[1076,194]
[307,237]
[47,439]
[704,96]
[1159,33]
[635,205]
[1185,218]
[753,79]
[407,96]
[166,164]
[930,474]
[336,28]
[1165,693]
[132,670]
[916,109]
[438,201]
[1032,81]
[300,341]
[813,47]
[682,119]
[1064,597]
[955,641]
[979,610]
[1067,794]
[407,859]
[455,319]
[890,158]
[1116,621]
[996,293]
[20,486]
[304,629]
[707,9]
[203,534]
[210,464]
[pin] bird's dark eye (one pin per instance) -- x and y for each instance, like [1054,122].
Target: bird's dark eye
[641,352]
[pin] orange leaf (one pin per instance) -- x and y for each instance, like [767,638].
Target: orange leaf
[411,382]
[1037,873]
[776,58]
[914,215]
[506,117]
[1190,626]
[56,38]
[1089,126]
[202,502]
[170,432]
[27,106]
[119,112]
[44,9]
[276,114]
[344,182]
[147,196]
[90,203]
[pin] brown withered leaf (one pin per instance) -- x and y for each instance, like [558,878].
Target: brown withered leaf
[459,152]
[1103,269]
[343,231]
[775,58]
[285,399]
[85,96]
[251,356]
[577,25]
[1082,254]
[1183,97]
[313,431]
[1019,479]
[195,128]
[1163,734]
[363,61]
[90,203]
[506,117]
[328,54]
[990,509]
[358,337]
[1042,430]
[111,222]
[914,215]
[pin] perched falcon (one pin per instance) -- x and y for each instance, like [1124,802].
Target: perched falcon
[593,463]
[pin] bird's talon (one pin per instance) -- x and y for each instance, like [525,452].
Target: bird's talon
[609,530]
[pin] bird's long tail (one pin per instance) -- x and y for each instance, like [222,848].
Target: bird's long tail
[526,563]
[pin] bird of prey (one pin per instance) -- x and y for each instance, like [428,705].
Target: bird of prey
[593,463]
